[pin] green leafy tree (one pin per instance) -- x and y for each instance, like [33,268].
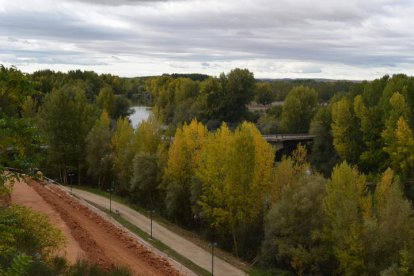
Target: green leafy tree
[238,91]
[293,227]
[147,136]
[105,99]
[24,236]
[20,143]
[29,108]
[369,233]
[210,101]
[145,180]
[99,151]
[264,93]
[267,124]
[14,89]
[372,156]
[394,222]
[122,143]
[66,118]
[121,107]
[324,156]
[298,110]
[148,163]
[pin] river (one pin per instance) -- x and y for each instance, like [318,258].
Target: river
[141,113]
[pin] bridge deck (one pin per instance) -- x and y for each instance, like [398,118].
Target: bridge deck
[288,137]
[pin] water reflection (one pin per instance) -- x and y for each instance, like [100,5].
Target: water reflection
[141,113]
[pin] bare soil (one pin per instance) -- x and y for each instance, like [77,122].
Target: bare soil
[102,242]
[23,194]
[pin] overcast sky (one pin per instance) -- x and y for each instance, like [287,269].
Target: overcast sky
[352,39]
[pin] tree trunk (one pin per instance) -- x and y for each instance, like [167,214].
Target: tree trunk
[60,174]
[79,173]
[236,249]
[65,175]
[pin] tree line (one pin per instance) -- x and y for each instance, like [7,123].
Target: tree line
[338,206]
[29,242]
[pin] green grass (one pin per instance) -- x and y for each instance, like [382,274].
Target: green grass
[156,243]
[269,272]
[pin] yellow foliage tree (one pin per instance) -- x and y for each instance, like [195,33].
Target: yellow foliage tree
[235,172]
[288,172]
[147,136]
[346,206]
[183,160]
[345,131]
[394,218]
[401,148]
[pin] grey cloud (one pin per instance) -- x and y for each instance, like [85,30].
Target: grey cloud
[121,2]
[56,26]
[48,57]
[353,33]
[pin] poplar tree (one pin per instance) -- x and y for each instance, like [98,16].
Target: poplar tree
[183,160]
[98,150]
[401,149]
[235,172]
[346,206]
[345,131]
[123,154]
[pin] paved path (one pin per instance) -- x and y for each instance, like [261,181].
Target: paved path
[184,247]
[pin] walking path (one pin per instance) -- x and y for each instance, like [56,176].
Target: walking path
[182,246]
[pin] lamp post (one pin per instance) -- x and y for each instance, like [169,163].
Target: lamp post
[110,190]
[151,214]
[213,244]
[71,175]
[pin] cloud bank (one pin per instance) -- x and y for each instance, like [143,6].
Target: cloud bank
[307,39]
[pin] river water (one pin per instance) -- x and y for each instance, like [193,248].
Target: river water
[141,113]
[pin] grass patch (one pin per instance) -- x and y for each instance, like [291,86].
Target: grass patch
[156,243]
[269,272]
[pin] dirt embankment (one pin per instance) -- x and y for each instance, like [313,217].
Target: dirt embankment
[103,243]
[25,195]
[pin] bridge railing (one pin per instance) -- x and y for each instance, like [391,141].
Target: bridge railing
[288,137]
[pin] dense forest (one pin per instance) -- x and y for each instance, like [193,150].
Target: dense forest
[338,206]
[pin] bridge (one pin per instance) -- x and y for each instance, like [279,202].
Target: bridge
[279,138]
[284,144]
